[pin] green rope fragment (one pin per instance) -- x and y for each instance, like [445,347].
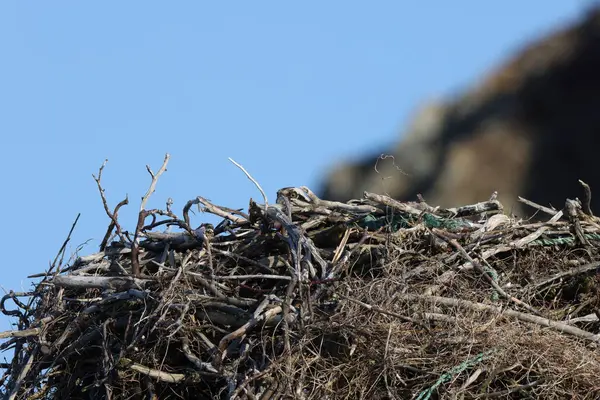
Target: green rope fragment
[566,240]
[495,296]
[424,395]
[431,221]
[394,222]
[401,221]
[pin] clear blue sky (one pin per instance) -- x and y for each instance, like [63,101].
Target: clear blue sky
[286,90]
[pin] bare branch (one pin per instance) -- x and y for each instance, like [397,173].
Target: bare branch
[135,249]
[152,187]
[112,215]
[262,192]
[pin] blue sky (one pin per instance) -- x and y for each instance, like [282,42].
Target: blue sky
[284,89]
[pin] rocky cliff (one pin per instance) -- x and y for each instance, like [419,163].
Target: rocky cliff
[528,129]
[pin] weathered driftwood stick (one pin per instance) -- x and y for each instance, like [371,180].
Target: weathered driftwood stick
[151,372]
[308,196]
[18,334]
[555,325]
[103,266]
[83,260]
[567,274]
[219,211]
[530,203]
[586,318]
[478,208]
[97,257]
[199,364]
[388,201]
[171,237]
[247,326]
[119,283]
[222,212]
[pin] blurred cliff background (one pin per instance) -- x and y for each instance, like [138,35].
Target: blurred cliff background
[470,97]
[529,127]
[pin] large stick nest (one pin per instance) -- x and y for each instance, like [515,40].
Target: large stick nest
[312,299]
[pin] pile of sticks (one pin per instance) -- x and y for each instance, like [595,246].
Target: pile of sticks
[309,298]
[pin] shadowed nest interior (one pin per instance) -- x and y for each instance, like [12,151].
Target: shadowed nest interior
[312,299]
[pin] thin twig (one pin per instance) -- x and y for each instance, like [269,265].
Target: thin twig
[567,274]
[382,311]
[262,192]
[63,247]
[558,326]
[112,215]
[530,203]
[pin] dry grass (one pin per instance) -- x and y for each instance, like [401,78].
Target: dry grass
[311,299]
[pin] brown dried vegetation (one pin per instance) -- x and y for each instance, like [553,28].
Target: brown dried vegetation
[313,299]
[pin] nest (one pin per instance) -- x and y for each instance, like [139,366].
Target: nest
[312,299]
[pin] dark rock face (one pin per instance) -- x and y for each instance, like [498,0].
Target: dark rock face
[529,129]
